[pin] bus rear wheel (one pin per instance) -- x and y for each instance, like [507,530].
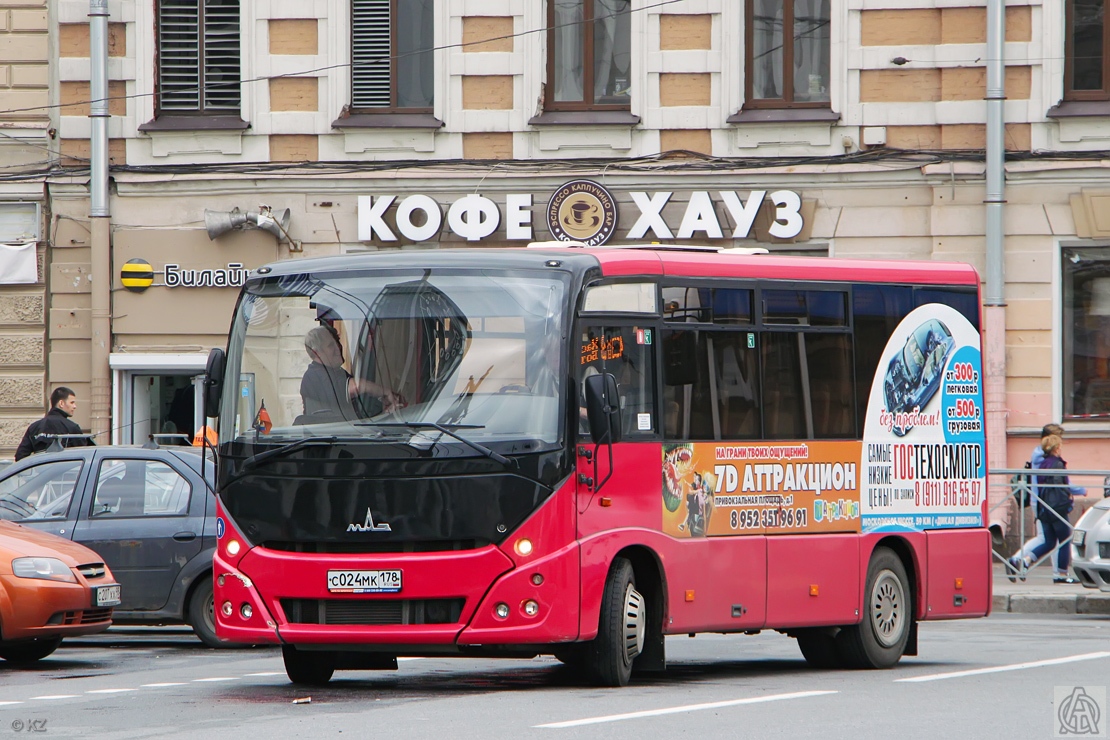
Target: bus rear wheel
[621,628]
[879,640]
[308,667]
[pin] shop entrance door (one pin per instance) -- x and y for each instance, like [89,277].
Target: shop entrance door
[164,404]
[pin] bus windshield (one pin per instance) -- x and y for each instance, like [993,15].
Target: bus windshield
[364,353]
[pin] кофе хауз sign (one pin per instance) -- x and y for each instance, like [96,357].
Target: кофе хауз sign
[580,210]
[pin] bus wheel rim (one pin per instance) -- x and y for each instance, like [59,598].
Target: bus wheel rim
[634,623]
[888,609]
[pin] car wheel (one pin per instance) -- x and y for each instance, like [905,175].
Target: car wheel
[621,630]
[308,667]
[202,615]
[30,651]
[880,639]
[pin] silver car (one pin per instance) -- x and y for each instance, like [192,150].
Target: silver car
[1091,547]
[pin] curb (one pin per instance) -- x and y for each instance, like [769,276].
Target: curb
[1055,604]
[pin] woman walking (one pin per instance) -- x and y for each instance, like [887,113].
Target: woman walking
[1055,493]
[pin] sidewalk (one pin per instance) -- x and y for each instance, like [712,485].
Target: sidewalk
[1039,595]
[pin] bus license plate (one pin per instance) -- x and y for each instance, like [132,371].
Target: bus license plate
[1078,537]
[107,595]
[364,581]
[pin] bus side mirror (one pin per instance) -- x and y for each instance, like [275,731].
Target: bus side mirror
[214,381]
[603,409]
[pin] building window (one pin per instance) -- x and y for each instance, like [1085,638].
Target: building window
[1086,332]
[589,54]
[1085,74]
[391,56]
[198,56]
[788,53]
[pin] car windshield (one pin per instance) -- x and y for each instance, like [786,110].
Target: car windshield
[361,353]
[39,492]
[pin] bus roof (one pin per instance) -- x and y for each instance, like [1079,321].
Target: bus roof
[647,260]
[706,264]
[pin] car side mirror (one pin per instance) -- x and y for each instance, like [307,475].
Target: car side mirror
[214,381]
[603,410]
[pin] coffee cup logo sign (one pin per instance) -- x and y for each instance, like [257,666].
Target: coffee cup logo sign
[580,210]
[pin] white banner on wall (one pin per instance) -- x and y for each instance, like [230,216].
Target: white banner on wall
[19,263]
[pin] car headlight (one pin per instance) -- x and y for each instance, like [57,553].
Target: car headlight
[48,569]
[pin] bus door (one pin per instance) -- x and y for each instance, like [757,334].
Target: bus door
[624,493]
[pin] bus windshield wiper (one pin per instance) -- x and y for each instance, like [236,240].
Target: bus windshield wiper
[476,446]
[255,460]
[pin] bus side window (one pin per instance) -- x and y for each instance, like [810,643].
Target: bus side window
[628,353]
[876,311]
[711,385]
[964,300]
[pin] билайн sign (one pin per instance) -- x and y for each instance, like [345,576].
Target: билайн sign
[580,210]
[137,275]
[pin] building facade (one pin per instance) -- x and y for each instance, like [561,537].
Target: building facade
[27,149]
[848,128]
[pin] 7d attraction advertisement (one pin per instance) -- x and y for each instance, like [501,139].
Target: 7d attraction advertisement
[921,463]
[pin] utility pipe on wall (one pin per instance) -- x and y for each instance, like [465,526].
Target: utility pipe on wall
[994,299]
[100,269]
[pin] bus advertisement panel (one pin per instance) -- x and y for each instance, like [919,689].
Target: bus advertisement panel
[924,461]
[713,489]
[921,464]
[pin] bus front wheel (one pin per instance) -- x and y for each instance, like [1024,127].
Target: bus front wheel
[621,628]
[879,640]
[308,667]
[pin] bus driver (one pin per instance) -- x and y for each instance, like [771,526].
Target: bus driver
[327,388]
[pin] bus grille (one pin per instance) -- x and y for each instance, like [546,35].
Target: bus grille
[372,611]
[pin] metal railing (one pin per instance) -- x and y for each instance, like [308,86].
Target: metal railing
[1020,482]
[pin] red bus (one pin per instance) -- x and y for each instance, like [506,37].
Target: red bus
[578,451]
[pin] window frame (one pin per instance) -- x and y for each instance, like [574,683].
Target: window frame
[786,102]
[201,111]
[549,102]
[96,484]
[757,286]
[607,321]
[75,493]
[1070,320]
[392,108]
[1070,93]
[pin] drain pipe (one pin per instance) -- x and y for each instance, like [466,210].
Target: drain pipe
[100,269]
[994,299]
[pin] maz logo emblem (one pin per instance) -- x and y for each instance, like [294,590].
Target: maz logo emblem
[368,525]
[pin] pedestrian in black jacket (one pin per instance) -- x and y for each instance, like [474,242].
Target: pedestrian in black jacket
[63,402]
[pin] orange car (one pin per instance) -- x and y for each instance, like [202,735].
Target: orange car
[50,588]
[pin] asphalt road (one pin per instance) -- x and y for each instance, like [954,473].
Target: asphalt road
[982,678]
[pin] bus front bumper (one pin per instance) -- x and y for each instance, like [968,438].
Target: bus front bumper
[290,601]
